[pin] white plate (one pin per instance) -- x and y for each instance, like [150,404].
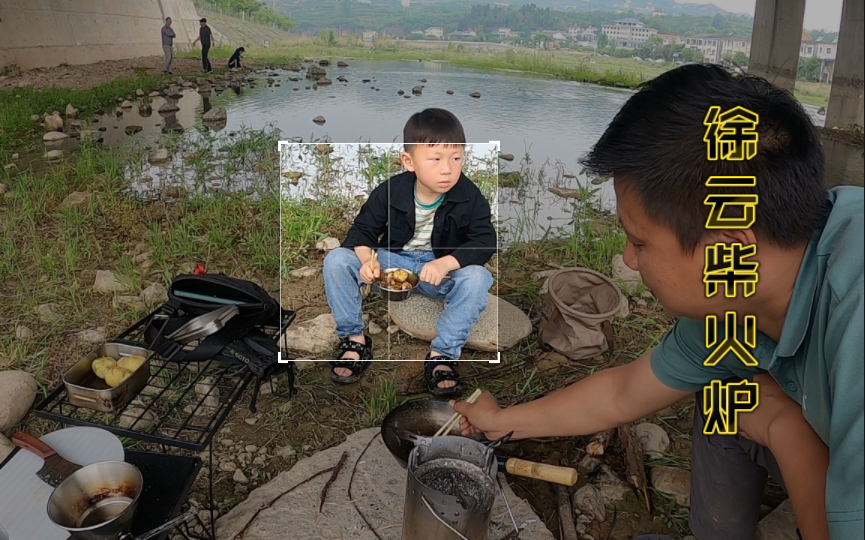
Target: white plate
[24,496]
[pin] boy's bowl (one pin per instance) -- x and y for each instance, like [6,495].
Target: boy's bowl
[398,296]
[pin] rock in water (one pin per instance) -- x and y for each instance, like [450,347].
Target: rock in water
[169,107]
[319,120]
[216,114]
[17,392]
[501,326]
[475,94]
[417,90]
[341,64]
[160,155]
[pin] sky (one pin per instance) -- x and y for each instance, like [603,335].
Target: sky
[819,14]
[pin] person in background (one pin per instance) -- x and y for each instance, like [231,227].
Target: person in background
[235,61]
[168,36]
[204,34]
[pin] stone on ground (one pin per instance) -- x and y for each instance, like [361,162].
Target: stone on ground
[305,272]
[77,199]
[17,392]
[54,136]
[673,481]
[588,501]
[653,438]
[500,326]
[53,122]
[315,336]
[216,114]
[778,525]
[6,447]
[631,278]
[107,282]
[378,489]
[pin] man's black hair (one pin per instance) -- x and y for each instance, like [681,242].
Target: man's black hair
[202,20]
[432,126]
[655,145]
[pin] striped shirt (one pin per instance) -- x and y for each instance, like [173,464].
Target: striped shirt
[424,215]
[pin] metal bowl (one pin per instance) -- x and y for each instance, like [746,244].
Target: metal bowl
[97,502]
[398,296]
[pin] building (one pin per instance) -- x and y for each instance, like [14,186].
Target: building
[435,32]
[369,35]
[670,39]
[503,32]
[463,34]
[558,36]
[716,48]
[628,33]
[824,51]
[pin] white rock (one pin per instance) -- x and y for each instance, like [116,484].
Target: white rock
[215,114]
[154,294]
[168,107]
[160,155]
[305,272]
[54,136]
[205,388]
[92,337]
[107,282]
[15,157]
[653,438]
[17,392]
[392,329]
[373,328]
[53,122]
[142,420]
[301,365]
[154,94]
[251,448]
[780,524]
[23,333]
[77,199]
[48,312]
[227,466]
[631,278]
[588,500]
[315,336]
[239,477]
[53,154]
[673,481]
[70,110]
[327,244]
[285,452]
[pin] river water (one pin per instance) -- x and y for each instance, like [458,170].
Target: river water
[547,124]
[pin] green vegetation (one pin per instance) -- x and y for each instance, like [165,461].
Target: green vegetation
[254,10]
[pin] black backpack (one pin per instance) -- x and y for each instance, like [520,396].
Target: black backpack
[249,338]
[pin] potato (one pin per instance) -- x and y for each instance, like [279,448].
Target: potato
[116,375]
[100,366]
[130,363]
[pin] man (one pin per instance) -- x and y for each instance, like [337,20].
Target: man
[807,430]
[204,37]
[168,36]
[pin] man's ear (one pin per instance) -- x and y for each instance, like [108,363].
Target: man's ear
[406,160]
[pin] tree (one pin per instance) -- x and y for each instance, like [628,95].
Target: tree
[603,41]
[719,22]
[326,37]
[809,69]
[740,59]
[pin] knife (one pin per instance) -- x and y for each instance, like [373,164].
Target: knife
[55,469]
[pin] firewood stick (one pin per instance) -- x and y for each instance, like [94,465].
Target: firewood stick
[566,518]
[456,416]
[599,442]
[634,467]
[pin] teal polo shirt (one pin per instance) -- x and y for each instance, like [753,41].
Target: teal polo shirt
[818,360]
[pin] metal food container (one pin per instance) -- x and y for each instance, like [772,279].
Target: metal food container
[86,390]
[398,296]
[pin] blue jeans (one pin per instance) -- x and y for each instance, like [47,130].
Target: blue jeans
[465,295]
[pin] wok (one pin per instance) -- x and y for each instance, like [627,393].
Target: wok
[424,418]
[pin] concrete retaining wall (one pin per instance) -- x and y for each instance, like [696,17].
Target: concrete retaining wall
[43,33]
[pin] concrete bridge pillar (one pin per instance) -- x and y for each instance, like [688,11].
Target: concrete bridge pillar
[776,39]
[845,99]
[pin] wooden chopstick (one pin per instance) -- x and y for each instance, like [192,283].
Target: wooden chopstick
[372,262]
[456,416]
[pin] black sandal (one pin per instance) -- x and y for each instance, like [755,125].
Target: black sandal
[357,367]
[433,377]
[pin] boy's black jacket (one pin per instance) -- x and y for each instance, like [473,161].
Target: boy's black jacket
[462,226]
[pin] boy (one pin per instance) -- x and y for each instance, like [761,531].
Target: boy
[431,220]
[807,430]
[235,61]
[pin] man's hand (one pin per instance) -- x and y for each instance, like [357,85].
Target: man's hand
[775,409]
[479,417]
[435,271]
